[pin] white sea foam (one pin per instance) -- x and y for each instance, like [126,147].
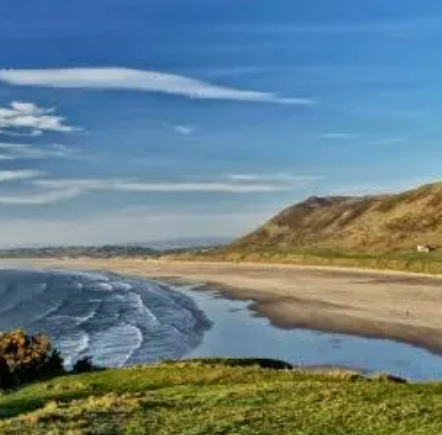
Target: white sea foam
[73,347]
[113,319]
[89,276]
[50,310]
[120,285]
[83,319]
[104,286]
[114,346]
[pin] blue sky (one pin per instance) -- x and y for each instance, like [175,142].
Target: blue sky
[136,120]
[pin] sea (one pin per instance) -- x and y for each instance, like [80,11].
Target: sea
[123,321]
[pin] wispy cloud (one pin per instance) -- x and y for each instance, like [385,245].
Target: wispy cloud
[278,177]
[28,119]
[12,151]
[42,198]
[338,136]
[50,190]
[230,183]
[20,174]
[30,133]
[85,185]
[184,130]
[139,80]
[363,138]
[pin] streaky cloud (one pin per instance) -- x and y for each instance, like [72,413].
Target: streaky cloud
[39,199]
[51,190]
[31,133]
[338,136]
[28,119]
[184,130]
[15,151]
[281,177]
[19,174]
[86,185]
[116,78]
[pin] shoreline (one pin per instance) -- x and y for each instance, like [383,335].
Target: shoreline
[280,316]
[397,306]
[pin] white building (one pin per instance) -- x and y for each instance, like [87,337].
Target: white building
[424,248]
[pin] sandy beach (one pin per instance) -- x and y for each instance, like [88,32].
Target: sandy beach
[401,306]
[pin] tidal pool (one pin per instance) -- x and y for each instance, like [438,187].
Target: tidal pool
[238,332]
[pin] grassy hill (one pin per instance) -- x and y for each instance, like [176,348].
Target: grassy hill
[379,232]
[221,397]
[374,223]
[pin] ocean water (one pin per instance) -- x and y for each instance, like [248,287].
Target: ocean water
[118,321]
[123,321]
[238,332]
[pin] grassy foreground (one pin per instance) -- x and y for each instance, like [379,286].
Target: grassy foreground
[221,398]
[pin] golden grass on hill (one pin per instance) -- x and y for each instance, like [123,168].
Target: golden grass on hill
[372,224]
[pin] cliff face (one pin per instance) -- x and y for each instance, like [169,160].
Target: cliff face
[381,223]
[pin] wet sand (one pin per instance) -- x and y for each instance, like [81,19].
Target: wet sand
[394,305]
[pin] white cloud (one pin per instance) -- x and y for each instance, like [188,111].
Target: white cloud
[281,177]
[29,108]
[199,187]
[27,119]
[139,80]
[61,189]
[36,198]
[338,136]
[185,130]
[30,133]
[48,191]
[365,138]
[86,185]
[21,174]
[9,151]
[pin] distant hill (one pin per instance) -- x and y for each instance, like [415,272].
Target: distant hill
[79,251]
[151,249]
[371,223]
[188,243]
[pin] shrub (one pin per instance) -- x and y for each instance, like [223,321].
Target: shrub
[386,377]
[263,363]
[7,379]
[29,357]
[84,365]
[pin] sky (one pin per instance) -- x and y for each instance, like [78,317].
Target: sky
[139,120]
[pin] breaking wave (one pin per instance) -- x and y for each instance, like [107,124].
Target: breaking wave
[116,320]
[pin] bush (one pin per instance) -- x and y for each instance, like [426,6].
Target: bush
[386,377]
[7,379]
[29,357]
[84,365]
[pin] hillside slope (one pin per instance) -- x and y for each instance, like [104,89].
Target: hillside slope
[196,398]
[373,223]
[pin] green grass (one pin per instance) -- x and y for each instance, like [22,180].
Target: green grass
[218,398]
[405,261]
